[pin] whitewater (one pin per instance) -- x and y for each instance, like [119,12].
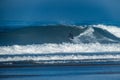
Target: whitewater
[59,48]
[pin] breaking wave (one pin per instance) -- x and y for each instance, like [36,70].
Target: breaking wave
[50,44]
[59,34]
[112,29]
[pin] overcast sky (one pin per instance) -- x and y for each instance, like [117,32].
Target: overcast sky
[37,12]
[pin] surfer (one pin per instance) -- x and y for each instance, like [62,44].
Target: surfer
[70,36]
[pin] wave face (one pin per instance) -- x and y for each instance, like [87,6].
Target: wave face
[51,44]
[38,35]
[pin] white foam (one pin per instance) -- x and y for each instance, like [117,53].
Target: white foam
[70,57]
[59,48]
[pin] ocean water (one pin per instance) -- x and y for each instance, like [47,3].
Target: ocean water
[49,53]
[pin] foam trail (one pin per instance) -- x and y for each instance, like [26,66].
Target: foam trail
[59,48]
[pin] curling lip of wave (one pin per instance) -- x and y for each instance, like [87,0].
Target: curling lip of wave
[112,29]
[96,34]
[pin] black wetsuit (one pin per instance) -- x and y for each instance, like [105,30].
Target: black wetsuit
[70,36]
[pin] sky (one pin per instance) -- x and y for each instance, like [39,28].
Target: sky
[39,12]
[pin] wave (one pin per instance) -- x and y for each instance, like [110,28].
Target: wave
[112,29]
[59,48]
[59,34]
[52,44]
[61,53]
[64,58]
[96,34]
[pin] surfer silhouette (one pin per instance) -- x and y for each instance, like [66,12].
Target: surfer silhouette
[70,35]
